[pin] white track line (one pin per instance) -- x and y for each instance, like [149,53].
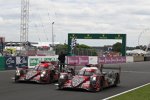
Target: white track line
[125,92]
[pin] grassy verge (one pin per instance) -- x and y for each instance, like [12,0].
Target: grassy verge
[139,94]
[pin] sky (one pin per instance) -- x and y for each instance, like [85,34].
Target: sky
[131,17]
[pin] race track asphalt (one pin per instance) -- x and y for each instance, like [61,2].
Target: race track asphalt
[132,75]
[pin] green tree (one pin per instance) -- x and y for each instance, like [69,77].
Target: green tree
[83,46]
[80,49]
[61,48]
[85,50]
[117,47]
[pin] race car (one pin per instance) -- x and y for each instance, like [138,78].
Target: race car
[89,78]
[44,72]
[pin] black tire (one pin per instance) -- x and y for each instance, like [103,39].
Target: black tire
[116,80]
[101,84]
[50,80]
[92,89]
[60,85]
[16,80]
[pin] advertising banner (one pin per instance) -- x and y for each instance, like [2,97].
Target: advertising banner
[50,58]
[93,59]
[78,60]
[111,60]
[83,60]
[34,60]
[10,63]
[22,61]
[73,60]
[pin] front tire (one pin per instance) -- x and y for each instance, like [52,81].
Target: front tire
[16,80]
[60,85]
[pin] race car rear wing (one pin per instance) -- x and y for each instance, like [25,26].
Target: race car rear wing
[102,68]
[66,67]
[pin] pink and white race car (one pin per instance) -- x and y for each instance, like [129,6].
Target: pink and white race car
[89,78]
[44,72]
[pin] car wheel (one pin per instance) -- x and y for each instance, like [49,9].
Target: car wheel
[16,80]
[60,85]
[50,79]
[101,83]
[116,79]
[93,89]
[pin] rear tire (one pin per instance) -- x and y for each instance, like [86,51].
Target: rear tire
[93,89]
[116,80]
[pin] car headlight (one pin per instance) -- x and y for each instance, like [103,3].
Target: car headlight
[18,72]
[62,76]
[43,74]
[93,78]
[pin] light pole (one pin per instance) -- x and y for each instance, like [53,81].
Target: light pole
[52,36]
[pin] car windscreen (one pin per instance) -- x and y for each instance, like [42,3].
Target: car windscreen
[39,68]
[85,73]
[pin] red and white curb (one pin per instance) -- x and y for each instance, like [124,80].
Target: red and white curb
[126,92]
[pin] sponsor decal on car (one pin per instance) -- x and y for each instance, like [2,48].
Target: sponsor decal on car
[76,81]
[30,74]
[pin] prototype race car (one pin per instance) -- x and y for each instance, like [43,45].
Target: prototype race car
[45,72]
[89,78]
